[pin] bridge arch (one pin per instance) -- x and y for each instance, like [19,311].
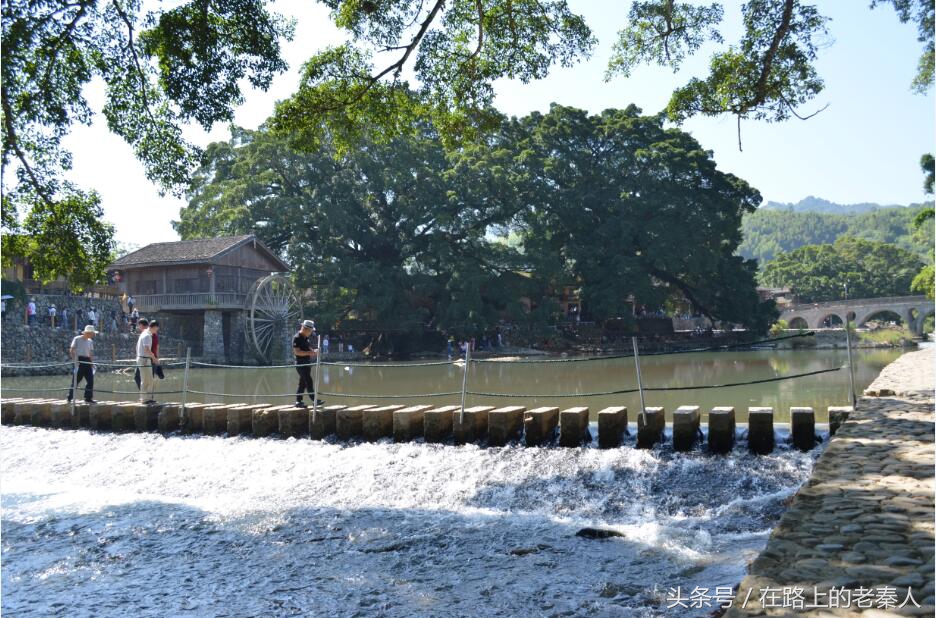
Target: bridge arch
[830,320]
[798,323]
[883,315]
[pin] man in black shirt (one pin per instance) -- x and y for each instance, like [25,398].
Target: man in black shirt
[304,353]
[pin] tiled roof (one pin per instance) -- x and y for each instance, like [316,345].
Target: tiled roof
[180,252]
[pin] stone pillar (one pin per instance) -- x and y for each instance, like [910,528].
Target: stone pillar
[22,411]
[240,418]
[146,416]
[41,414]
[322,423]
[837,417]
[760,430]
[650,426]
[61,415]
[721,429]
[349,422]
[293,422]
[685,427]
[169,418]
[437,423]
[539,425]
[213,337]
[7,410]
[472,427]
[193,422]
[122,415]
[377,423]
[573,427]
[265,421]
[612,423]
[236,345]
[99,415]
[803,428]
[211,414]
[408,423]
[505,425]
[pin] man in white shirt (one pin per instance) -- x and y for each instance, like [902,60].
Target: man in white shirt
[52,316]
[82,350]
[145,361]
[31,312]
[92,317]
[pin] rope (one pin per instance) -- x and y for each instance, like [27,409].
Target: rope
[658,388]
[330,364]
[34,366]
[81,388]
[332,395]
[127,365]
[665,353]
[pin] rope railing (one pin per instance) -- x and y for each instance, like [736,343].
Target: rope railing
[466,364]
[658,388]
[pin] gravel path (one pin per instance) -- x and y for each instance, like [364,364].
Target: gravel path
[859,536]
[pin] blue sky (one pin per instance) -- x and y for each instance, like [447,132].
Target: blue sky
[864,148]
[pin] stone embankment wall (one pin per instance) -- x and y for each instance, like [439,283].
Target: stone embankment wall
[859,536]
[833,338]
[21,344]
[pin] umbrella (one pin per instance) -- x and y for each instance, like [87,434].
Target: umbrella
[6,297]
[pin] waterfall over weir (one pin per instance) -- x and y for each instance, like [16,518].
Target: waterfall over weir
[115,524]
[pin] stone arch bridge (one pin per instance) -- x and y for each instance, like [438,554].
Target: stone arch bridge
[912,310]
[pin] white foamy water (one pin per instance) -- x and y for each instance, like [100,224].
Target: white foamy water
[105,525]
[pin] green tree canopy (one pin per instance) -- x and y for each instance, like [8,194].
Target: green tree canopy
[633,211]
[817,273]
[393,234]
[160,68]
[405,233]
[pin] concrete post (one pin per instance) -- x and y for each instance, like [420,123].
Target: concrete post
[650,426]
[837,417]
[349,423]
[408,423]
[293,422]
[323,424]
[803,428]
[685,427]
[721,429]
[539,425]
[377,423]
[437,423]
[612,422]
[760,430]
[470,425]
[573,427]
[146,416]
[22,411]
[505,425]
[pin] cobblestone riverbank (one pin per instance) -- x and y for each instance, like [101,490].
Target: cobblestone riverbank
[859,535]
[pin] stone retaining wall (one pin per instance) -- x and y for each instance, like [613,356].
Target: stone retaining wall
[861,531]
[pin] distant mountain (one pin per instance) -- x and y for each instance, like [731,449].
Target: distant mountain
[769,231]
[817,204]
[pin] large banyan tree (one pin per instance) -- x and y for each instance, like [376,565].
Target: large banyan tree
[409,233]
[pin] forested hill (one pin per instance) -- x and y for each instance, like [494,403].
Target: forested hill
[771,230]
[817,204]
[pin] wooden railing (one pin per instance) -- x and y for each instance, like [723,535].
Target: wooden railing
[221,300]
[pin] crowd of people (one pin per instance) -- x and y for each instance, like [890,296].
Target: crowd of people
[66,316]
[147,360]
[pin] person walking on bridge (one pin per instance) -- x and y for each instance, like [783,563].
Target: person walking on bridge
[304,353]
[82,349]
[145,361]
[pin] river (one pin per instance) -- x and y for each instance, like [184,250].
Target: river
[99,524]
[347,383]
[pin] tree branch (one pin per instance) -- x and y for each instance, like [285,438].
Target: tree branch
[13,142]
[136,60]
